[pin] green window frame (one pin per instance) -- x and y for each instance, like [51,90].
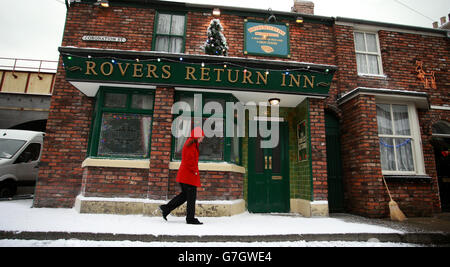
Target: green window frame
[118,113]
[227,154]
[166,35]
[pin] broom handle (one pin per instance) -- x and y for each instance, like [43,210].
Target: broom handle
[387,188]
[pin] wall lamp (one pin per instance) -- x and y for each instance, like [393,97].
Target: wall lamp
[216,12]
[274,101]
[103,3]
[299,20]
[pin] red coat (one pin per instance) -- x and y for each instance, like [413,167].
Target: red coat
[188,172]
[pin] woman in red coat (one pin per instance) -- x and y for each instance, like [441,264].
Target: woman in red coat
[189,178]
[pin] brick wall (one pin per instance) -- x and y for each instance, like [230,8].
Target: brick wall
[114,182]
[216,185]
[133,23]
[318,149]
[364,191]
[161,143]
[65,145]
[360,148]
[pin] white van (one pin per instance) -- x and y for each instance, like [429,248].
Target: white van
[20,153]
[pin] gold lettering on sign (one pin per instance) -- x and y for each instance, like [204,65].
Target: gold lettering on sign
[122,70]
[229,76]
[90,67]
[283,80]
[204,74]
[261,78]
[166,70]
[296,81]
[190,73]
[219,74]
[137,73]
[307,80]
[102,68]
[247,76]
[151,71]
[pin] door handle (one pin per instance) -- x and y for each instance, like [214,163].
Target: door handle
[270,162]
[265,161]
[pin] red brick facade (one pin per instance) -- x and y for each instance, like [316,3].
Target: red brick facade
[216,185]
[61,177]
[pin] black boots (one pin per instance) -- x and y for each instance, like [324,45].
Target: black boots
[165,213]
[193,221]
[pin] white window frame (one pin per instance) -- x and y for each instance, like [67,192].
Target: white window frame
[366,53]
[416,142]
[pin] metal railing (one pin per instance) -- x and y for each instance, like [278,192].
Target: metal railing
[29,65]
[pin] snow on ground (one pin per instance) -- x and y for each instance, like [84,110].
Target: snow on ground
[82,243]
[19,216]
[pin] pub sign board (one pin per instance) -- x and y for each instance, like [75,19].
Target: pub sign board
[180,73]
[266,39]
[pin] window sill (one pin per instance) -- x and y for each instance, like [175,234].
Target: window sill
[116,163]
[372,76]
[212,166]
[408,178]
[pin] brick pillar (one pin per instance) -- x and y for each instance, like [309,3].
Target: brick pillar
[318,149]
[364,189]
[161,142]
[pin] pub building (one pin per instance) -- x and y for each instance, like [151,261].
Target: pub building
[353,102]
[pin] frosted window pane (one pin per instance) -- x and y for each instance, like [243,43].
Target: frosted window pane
[162,44]
[384,119]
[371,41]
[142,102]
[401,120]
[177,25]
[163,24]
[361,61]
[373,64]
[359,42]
[387,154]
[124,135]
[404,155]
[176,45]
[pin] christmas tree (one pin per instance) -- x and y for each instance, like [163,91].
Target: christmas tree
[216,44]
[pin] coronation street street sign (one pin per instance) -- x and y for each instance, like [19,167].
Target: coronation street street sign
[104,39]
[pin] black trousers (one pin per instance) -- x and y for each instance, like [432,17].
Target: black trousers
[189,194]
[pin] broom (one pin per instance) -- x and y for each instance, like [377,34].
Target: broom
[396,213]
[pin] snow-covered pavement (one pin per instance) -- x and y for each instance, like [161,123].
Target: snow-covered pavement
[20,216]
[84,243]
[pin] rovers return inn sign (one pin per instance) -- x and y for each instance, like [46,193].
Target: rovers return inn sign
[180,73]
[266,39]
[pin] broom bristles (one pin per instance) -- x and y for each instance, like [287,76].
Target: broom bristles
[396,213]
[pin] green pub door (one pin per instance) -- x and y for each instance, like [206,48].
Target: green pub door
[268,178]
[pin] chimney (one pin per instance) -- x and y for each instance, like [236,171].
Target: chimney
[435,25]
[304,7]
[443,20]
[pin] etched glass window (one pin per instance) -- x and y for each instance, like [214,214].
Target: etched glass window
[123,124]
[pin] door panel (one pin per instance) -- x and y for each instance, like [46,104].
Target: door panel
[334,169]
[268,189]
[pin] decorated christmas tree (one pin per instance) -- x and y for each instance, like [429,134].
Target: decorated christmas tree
[216,44]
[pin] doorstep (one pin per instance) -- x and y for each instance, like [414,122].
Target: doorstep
[148,207]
